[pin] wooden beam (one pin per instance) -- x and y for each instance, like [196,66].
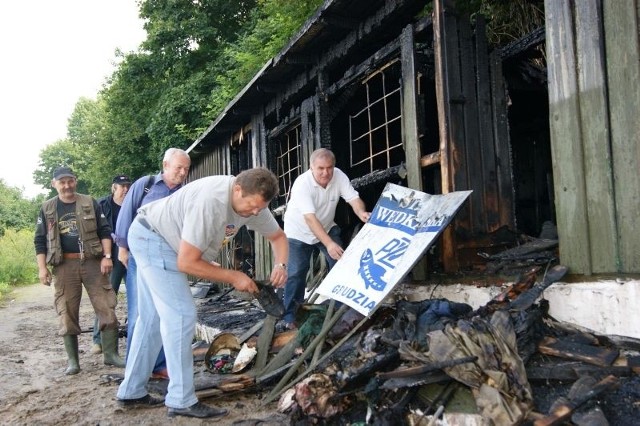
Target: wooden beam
[410,128]
[566,136]
[430,159]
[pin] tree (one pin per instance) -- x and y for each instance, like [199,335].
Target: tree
[16,212]
[271,26]
[196,58]
[61,153]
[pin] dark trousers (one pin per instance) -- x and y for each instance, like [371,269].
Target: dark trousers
[298,268]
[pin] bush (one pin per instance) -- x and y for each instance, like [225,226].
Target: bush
[18,258]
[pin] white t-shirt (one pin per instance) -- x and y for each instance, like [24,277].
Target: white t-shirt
[201,214]
[309,197]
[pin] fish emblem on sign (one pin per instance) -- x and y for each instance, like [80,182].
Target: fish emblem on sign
[371,272]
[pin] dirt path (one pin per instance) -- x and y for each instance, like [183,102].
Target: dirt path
[34,389]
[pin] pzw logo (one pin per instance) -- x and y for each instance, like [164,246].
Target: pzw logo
[373,267]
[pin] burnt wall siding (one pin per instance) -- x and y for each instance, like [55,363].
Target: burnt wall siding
[318,95]
[472,138]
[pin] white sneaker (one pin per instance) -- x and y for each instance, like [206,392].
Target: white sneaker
[96,348]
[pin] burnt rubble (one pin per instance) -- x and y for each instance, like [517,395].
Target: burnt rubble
[508,362]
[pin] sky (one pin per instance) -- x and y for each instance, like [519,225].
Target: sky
[54,52]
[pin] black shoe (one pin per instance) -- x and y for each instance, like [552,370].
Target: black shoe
[143,402]
[197,410]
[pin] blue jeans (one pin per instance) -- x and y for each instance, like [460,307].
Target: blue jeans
[132,311]
[167,317]
[298,267]
[118,272]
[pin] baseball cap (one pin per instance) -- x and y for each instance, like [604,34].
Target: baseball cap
[61,172]
[122,180]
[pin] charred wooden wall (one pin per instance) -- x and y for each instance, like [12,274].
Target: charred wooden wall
[594,97]
[474,148]
[444,115]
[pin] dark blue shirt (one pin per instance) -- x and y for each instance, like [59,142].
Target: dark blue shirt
[136,198]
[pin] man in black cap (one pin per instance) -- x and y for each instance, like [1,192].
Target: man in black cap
[111,207]
[74,237]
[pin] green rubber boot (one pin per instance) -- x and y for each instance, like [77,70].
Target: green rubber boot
[71,346]
[110,348]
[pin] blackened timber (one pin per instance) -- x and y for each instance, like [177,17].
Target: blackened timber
[468,171]
[242,110]
[359,35]
[423,24]
[338,103]
[379,176]
[335,53]
[533,39]
[286,123]
[417,380]
[590,354]
[430,159]
[489,187]
[445,48]
[408,372]
[269,87]
[308,133]
[301,59]
[355,73]
[340,22]
[502,145]
[323,116]
[563,411]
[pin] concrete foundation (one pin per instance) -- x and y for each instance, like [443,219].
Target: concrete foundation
[604,306]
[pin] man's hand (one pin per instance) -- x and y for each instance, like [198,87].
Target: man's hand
[279,275]
[45,276]
[334,250]
[242,282]
[364,216]
[123,256]
[106,265]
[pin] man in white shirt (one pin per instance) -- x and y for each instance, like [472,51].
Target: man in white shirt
[309,222]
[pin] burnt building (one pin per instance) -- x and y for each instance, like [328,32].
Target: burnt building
[543,129]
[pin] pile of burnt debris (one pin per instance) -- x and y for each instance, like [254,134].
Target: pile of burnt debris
[432,362]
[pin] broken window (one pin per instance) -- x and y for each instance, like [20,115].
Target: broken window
[288,161]
[375,130]
[240,155]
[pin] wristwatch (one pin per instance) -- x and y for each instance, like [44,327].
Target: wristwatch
[281,265]
[107,256]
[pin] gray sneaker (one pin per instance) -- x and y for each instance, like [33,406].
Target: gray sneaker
[197,410]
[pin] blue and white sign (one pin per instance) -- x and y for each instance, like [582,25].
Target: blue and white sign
[403,225]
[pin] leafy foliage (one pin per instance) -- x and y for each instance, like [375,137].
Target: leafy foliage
[17,257]
[506,20]
[16,212]
[272,25]
[197,56]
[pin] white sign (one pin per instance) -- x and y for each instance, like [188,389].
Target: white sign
[403,225]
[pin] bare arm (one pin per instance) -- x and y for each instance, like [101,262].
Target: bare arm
[123,256]
[334,250]
[280,247]
[360,209]
[190,262]
[43,272]
[106,265]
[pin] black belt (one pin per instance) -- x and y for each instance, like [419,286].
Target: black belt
[144,223]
